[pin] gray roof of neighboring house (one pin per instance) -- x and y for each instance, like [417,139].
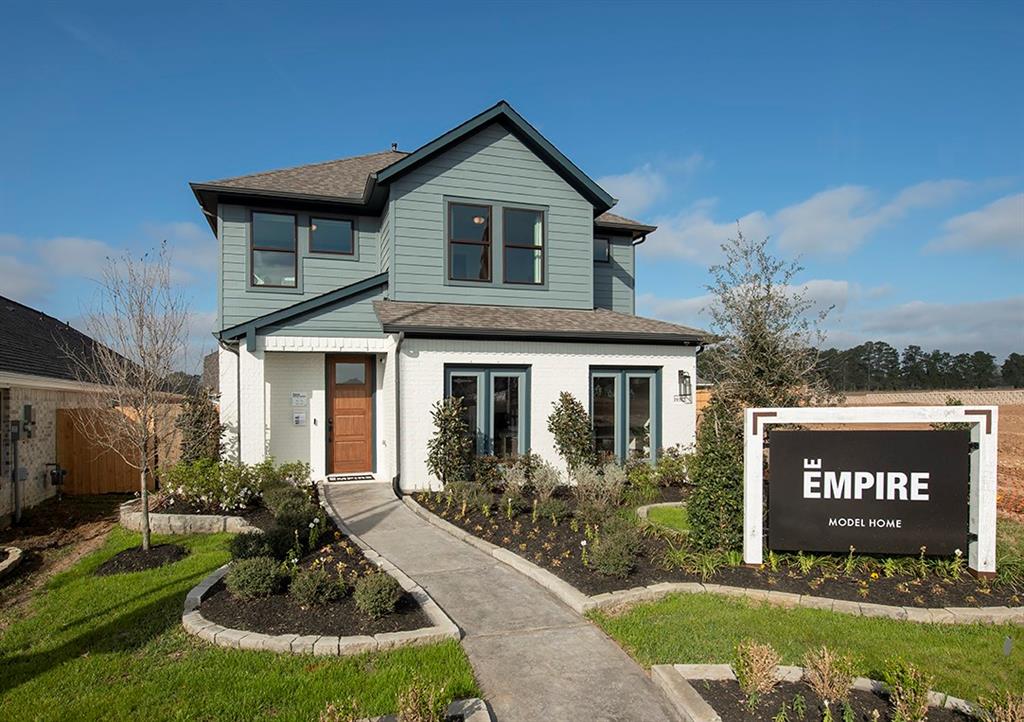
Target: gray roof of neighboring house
[470,321]
[36,344]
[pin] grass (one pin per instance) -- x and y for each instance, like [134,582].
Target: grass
[112,648]
[966,660]
[673,517]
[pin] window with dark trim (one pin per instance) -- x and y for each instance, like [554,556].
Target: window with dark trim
[469,242]
[602,250]
[625,408]
[495,406]
[273,250]
[523,242]
[332,235]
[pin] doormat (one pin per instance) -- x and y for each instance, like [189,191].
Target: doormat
[350,477]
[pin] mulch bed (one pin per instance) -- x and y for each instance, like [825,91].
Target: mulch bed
[279,614]
[731,704]
[137,560]
[557,548]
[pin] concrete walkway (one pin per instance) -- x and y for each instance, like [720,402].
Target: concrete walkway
[534,657]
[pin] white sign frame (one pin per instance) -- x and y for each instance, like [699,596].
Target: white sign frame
[984,421]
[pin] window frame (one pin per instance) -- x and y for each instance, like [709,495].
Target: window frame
[485,375]
[348,219]
[607,249]
[505,245]
[622,375]
[450,241]
[253,248]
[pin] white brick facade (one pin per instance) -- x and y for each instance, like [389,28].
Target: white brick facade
[270,377]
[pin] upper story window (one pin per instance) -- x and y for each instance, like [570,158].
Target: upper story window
[332,235]
[274,259]
[469,242]
[602,250]
[523,242]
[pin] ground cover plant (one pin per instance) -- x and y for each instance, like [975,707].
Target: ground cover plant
[209,486]
[93,647]
[965,660]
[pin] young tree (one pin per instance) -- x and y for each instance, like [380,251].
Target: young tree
[140,324]
[450,449]
[1013,370]
[200,428]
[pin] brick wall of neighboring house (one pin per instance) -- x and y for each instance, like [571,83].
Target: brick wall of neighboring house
[36,452]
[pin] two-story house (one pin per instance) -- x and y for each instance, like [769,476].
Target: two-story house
[353,294]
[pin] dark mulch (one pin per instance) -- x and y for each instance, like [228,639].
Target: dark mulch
[731,704]
[557,548]
[137,560]
[279,614]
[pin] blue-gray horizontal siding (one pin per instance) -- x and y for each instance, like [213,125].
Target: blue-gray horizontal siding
[317,273]
[354,317]
[492,165]
[614,282]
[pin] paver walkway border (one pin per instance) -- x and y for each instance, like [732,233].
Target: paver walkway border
[676,681]
[442,628]
[582,603]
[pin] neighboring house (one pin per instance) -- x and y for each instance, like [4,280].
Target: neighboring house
[36,379]
[354,294]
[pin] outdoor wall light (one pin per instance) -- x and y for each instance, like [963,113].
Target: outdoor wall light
[685,387]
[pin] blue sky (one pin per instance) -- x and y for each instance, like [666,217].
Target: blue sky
[880,143]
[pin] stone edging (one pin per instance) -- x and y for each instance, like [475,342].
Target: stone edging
[442,626]
[675,681]
[582,603]
[642,511]
[130,517]
[472,710]
[14,557]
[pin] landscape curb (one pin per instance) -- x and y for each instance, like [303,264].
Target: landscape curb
[675,681]
[472,710]
[162,523]
[643,511]
[582,603]
[8,565]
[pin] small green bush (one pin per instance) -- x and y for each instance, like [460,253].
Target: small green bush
[450,448]
[377,595]
[546,480]
[671,468]
[282,540]
[512,503]
[255,578]
[570,425]
[486,472]
[614,553]
[248,545]
[552,508]
[908,691]
[279,494]
[598,492]
[211,486]
[716,505]
[296,514]
[313,587]
[641,486]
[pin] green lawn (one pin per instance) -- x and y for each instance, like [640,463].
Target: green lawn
[113,648]
[966,660]
[673,517]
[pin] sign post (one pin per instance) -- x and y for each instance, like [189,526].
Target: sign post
[882,491]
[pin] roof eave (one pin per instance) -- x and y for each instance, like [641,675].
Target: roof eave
[487,333]
[636,230]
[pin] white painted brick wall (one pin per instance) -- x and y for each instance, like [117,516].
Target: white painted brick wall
[227,372]
[555,367]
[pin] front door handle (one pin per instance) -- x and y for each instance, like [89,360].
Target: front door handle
[330,429]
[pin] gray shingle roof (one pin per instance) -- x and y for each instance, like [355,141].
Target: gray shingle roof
[33,343]
[450,319]
[341,178]
[613,220]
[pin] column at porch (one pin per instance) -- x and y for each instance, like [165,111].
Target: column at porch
[227,385]
[252,407]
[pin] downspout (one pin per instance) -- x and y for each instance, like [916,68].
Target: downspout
[396,481]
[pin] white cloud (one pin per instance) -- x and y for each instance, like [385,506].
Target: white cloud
[21,281]
[636,190]
[191,244]
[73,256]
[1000,224]
[695,236]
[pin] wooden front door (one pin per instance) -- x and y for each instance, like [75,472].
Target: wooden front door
[350,421]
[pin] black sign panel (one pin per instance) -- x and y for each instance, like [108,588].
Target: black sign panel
[889,492]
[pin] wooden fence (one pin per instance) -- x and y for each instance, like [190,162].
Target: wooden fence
[91,468]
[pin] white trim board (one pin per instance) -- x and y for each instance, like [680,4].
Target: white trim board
[984,421]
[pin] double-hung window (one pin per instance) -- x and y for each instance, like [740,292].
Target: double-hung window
[469,242]
[495,405]
[523,241]
[625,405]
[273,248]
[332,235]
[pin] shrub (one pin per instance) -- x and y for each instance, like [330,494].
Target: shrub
[1007,708]
[716,505]
[450,448]
[512,503]
[671,468]
[279,494]
[546,481]
[295,472]
[641,487]
[200,428]
[296,514]
[569,423]
[908,691]
[264,472]
[614,553]
[255,578]
[487,472]
[316,586]
[248,545]
[377,595]
[282,541]
[514,478]
[552,508]
[756,666]
[830,675]
[211,486]
[421,702]
[598,492]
